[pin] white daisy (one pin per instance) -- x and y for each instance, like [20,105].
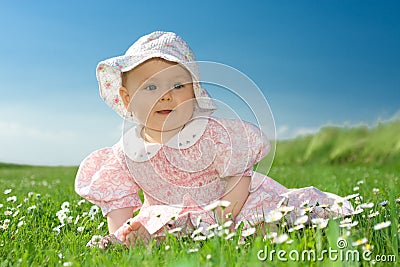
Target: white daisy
[7,191]
[382,225]
[286,209]
[351,196]
[77,219]
[270,235]
[57,229]
[348,225]
[301,220]
[358,210]
[305,203]
[248,232]
[7,212]
[280,239]
[361,241]
[11,199]
[198,221]
[100,225]
[297,227]
[197,231]
[93,211]
[320,222]
[216,204]
[199,238]
[306,210]
[211,235]
[15,213]
[95,241]
[229,236]
[31,208]
[212,227]
[273,216]
[65,205]
[192,250]
[373,214]
[175,230]
[227,224]
[369,205]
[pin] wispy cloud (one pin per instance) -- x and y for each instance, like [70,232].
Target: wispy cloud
[282,131]
[65,143]
[305,131]
[16,130]
[287,132]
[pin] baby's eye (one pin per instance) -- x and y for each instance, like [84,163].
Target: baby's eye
[151,87]
[178,86]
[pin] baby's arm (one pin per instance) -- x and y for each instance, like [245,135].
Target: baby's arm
[116,218]
[237,196]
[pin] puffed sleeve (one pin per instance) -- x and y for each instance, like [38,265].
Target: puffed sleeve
[239,146]
[105,182]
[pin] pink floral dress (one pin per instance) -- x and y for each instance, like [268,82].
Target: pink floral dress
[180,178]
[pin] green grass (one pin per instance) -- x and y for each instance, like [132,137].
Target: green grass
[358,145]
[35,243]
[27,225]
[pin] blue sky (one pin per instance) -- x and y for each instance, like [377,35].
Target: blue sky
[316,62]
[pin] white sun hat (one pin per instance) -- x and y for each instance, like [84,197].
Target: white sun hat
[166,45]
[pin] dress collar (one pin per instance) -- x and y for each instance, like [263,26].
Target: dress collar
[138,150]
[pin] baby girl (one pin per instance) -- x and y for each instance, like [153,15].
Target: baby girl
[182,158]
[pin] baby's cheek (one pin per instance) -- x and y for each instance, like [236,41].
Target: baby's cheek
[141,113]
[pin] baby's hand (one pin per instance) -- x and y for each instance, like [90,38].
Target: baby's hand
[108,241]
[136,232]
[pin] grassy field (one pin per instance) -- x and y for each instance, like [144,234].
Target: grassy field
[34,201]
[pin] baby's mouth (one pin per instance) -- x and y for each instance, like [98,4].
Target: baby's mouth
[164,111]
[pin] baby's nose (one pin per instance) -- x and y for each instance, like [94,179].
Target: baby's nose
[166,97]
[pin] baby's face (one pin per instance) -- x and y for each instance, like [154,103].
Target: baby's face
[160,94]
